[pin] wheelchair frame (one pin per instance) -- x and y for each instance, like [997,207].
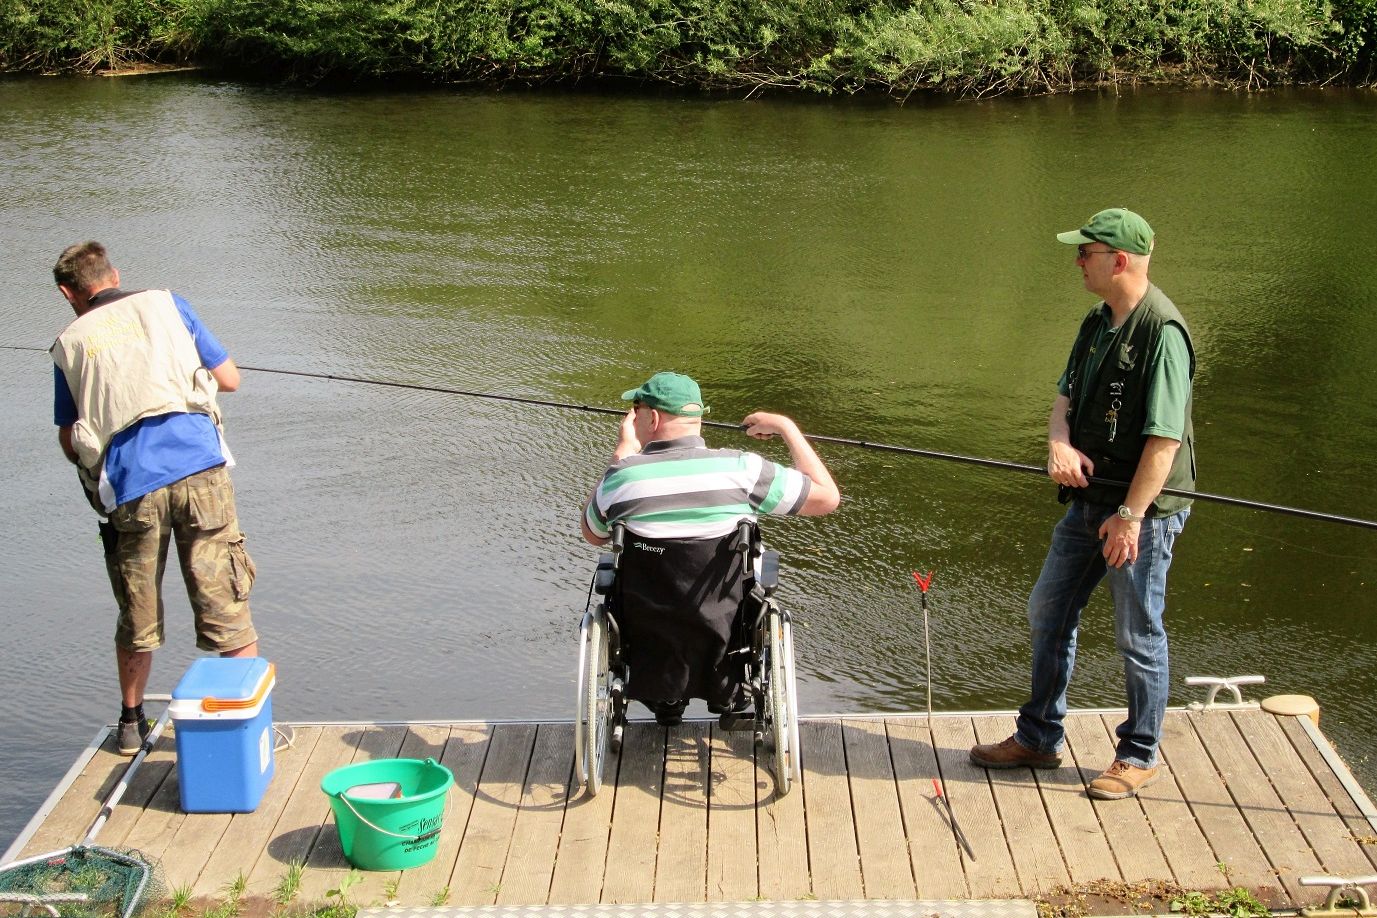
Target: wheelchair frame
[769,673]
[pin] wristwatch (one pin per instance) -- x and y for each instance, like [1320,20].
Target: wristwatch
[1127,514]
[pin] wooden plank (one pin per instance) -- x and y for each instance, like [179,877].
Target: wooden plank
[731,817]
[190,849]
[934,855]
[1181,836]
[74,813]
[885,869]
[631,848]
[682,863]
[326,865]
[159,821]
[1076,822]
[463,753]
[781,832]
[991,873]
[582,852]
[833,856]
[1123,825]
[151,774]
[477,875]
[302,818]
[1037,856]
[1206,792]
[1275,830]
[1358,828]
[535,838]
[1316,819]
[248,833]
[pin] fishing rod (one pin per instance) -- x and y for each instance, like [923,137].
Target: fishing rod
[980,461]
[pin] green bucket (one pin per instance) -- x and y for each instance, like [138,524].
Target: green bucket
[389,812]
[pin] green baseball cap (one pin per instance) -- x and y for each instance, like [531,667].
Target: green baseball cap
[1119,228]
[671,392]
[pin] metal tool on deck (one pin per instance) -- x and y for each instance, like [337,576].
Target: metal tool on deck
[1218,684]
[951,817]
[1346,896]
[87,874]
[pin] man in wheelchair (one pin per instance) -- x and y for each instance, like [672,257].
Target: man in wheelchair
[680,579]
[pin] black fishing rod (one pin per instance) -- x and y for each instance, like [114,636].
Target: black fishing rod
[816,438]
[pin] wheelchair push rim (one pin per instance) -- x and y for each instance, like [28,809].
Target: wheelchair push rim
[593,724]
[778,698]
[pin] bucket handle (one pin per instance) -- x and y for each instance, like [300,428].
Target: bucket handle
[411,838]
[344,798]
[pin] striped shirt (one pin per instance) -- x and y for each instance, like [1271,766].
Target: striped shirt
[680,489]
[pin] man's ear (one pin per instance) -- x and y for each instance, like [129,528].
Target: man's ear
[68,293]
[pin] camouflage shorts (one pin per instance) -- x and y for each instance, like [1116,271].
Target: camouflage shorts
[198,512]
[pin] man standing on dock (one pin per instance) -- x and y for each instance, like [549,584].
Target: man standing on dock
[136,376]
[1123,414]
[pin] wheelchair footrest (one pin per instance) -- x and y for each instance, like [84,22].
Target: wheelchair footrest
[737,721]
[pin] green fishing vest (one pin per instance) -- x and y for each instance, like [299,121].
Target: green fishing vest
[1107,424]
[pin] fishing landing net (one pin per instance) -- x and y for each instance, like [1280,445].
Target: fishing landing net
[83,881]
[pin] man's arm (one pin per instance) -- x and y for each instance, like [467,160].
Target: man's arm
[226,375]
[1067,465]
[627,445]
[64,439]
[1121,535]
[823,496]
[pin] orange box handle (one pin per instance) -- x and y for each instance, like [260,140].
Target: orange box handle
[212,705]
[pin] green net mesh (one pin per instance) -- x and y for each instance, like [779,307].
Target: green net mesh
[81,882]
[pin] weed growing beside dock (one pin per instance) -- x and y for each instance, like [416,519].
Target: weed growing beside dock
[967,47]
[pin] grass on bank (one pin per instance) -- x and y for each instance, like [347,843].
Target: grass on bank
[969,47]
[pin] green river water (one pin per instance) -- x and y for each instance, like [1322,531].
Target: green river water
[879,272]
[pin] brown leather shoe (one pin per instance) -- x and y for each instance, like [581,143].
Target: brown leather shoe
[1122,780]
[1010,753]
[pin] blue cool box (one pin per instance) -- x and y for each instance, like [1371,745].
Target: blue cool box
[223,711]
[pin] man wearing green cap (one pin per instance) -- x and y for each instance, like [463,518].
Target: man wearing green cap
[1123,414]
[681,502]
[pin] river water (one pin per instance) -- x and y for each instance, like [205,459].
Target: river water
[880,272]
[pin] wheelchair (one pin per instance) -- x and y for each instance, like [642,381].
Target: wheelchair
[760,653]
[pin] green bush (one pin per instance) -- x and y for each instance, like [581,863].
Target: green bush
[963,46]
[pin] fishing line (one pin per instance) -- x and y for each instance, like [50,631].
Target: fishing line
[980,461]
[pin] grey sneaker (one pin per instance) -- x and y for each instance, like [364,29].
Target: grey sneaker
[130,736]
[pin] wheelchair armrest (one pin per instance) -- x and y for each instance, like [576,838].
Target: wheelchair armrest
[769,571]
[606,573]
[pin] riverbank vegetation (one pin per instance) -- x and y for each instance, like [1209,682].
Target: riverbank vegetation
[967,47]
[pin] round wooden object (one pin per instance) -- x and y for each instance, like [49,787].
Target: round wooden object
[1293,706]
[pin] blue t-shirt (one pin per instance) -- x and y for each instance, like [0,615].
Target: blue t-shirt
[154,452]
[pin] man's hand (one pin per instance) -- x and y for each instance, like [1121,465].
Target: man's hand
[762,425]
[1120,540]
[627,443]
[1067,465]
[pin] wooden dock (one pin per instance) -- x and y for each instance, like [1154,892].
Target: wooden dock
[689,814]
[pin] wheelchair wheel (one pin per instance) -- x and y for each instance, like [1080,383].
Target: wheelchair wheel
[593,725]
[780,699]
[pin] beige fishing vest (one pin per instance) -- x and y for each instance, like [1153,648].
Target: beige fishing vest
[129,360]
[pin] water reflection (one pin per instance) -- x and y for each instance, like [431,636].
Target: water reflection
[876,272]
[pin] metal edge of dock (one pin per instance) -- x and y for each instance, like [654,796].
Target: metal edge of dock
[55,797]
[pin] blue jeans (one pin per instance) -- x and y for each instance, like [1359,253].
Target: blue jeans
[1074,566]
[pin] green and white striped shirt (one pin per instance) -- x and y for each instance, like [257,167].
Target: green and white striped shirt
[680,489]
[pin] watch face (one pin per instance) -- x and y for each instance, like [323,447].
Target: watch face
[1125,513]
